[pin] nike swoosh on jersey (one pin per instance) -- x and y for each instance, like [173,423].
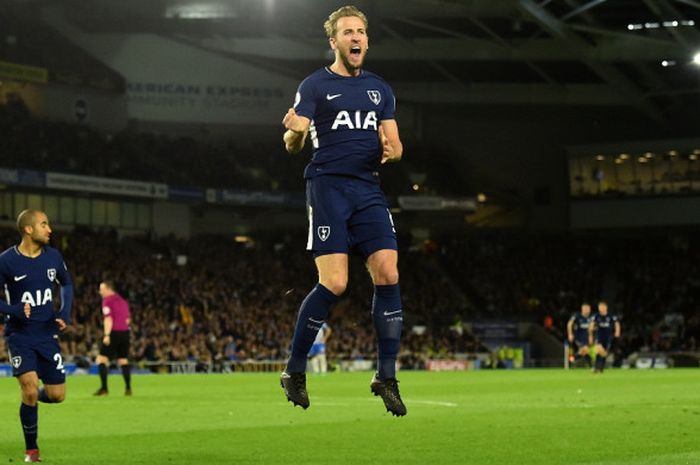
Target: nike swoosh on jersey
[20,278]
[392,313]
[331,97]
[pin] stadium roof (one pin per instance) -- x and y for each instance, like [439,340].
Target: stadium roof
[636,53]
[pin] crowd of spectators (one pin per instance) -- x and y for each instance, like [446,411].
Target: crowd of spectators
[212,301]
[648,277]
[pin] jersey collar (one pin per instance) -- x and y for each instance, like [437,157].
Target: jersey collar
[329,71]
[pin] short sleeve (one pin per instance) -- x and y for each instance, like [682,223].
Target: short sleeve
[2,271]
[389,110]
[305,100]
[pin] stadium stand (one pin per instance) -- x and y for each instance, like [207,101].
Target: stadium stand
[234,302]
[229,302]
[239,163]
[646,275]
[208,310]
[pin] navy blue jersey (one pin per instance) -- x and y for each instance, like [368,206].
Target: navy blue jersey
[34,280]
[345,113]
[605,328]
[581,324]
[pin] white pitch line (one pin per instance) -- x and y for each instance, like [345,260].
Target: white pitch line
[410,402]
[433,402]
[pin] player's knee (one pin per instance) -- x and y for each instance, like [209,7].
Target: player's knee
[30,397]
[57,397]
[386,276]
[336,285]
[30,392]
[388,279]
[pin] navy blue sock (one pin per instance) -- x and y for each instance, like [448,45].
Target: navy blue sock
[600,362]
[587,360]
[44,397]
[312,314]
[388,320]
[29,416]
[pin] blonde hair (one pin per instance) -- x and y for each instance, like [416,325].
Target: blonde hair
[331,24]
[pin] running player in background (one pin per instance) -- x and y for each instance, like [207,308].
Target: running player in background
[29,274]
[349,114]
[577,331]
[319,364]
[605,330]
[115,339]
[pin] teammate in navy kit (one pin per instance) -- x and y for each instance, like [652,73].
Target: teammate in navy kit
[348,114]
[29,274]
[577,331]
[604,331]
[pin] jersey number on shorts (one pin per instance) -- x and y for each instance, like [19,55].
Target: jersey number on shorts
[59,361]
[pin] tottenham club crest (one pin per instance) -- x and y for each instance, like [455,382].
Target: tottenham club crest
[51,273]
[324,232]
[375,96]
[16,361]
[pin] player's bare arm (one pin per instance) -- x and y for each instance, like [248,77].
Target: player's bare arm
[297,128]
[618,329]
[570,330]
[392,148]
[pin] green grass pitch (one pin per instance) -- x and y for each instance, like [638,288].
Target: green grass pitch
[481,417]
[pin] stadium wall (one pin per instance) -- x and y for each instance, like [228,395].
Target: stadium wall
[171,218]
[616,213]
[107,111]
[518,152]
[247,220]
[171,81]
[179,88]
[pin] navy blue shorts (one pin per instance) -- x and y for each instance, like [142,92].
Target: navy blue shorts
[43,356]
[347,213]
[579,344]
[606,342]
